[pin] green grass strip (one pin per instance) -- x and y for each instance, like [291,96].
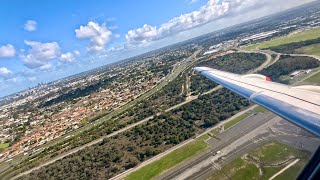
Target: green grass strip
[177,156]
[236,120]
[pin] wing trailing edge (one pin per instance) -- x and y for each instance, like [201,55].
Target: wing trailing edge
[300,106]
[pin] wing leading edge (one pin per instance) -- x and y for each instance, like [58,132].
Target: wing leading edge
[299,105]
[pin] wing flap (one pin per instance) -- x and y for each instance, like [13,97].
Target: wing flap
[299,106]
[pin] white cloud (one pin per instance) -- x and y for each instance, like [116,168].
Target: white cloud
[212,11]
[117,48]
[209,12]
[77,53]
[144,34]
[32,78]
[30,25]
[4,72]
[46,67]
[99,35]
[7,51]
[117,36]
[12,80]
[69,56]
[113,27]
[192,1]
[40,53]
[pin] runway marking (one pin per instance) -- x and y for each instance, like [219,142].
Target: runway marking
[285,168]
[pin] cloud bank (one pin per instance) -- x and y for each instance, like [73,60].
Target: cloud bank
[213,10]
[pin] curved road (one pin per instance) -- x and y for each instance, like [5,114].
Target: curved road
[268,60]
[175,72]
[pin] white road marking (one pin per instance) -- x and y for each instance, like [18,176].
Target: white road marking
[285,168]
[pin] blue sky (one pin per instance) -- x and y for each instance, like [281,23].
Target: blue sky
[45,40]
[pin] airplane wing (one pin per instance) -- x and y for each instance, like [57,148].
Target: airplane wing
[299,105]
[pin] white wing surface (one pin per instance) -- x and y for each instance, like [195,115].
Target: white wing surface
[300,105]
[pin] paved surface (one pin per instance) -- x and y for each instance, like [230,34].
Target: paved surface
[239,139]
[177,69]
[217,126]
[311,74]
[236,141]
[245,130]
[174,74]
[189,99]
[82,147]
[300,142]
[227,137]
[266,63]
[285,168]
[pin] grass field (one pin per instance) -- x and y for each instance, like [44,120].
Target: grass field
[4,145]
[214,132]
[295,37]
[237,169]
[312,49]
[203,137]
[236,120]
[270,171]
[314,79]
[156,168]
[252,47]
[275,152]
[260,109]
[271,153]
[292,172]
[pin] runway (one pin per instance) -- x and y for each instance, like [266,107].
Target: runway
[236,141]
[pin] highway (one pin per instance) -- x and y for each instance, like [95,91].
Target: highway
[202,167]
[188,100]
[174,74]
[188,62]
[176,172]
[177,69]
